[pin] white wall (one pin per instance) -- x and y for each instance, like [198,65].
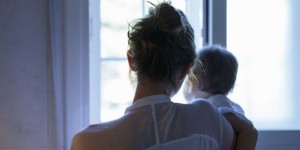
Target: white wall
[25,112]
[28,118]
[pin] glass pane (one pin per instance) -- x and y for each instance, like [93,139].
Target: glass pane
[115,16]
[116,90]
[259,34]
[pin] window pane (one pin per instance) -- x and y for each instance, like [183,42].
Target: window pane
[116,90]
[259,34]
[115,16]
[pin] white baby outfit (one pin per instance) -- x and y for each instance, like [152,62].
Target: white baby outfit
[225,105]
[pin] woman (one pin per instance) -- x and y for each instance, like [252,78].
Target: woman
[162,50]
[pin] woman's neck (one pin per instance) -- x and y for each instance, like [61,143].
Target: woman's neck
[150,87]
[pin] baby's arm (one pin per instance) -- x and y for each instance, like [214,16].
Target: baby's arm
[246,137]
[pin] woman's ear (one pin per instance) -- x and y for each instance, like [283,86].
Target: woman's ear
[131,61]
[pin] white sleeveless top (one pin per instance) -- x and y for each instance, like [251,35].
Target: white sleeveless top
[156,123]
[193,142]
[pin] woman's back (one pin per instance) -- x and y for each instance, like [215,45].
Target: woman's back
[155,122]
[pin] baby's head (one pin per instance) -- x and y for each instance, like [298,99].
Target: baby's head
[214,72]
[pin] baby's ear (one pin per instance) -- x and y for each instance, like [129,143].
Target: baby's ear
[131,61]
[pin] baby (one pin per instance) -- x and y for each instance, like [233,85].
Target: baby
[212,77]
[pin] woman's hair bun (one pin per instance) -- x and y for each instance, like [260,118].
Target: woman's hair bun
[167,17]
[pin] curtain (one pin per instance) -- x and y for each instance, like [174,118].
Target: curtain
[55,76]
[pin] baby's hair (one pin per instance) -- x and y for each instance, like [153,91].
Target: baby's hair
[215,70]
[161,43]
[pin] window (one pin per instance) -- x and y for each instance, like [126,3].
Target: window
[116,92]
[83,66]
[260,33]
